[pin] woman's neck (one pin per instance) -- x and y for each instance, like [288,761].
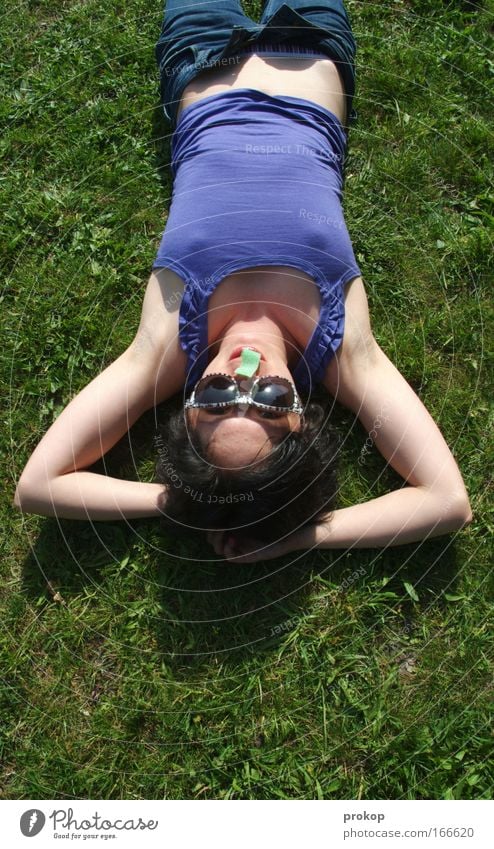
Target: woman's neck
[255,326]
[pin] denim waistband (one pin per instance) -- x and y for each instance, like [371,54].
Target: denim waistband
[281,49]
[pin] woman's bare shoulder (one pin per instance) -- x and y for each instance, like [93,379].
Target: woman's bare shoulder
[358,345]
[161,306]
[157,337]
[358,331]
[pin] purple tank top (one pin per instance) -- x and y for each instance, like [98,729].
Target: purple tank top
[257,180]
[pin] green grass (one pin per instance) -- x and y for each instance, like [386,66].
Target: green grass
[133,668]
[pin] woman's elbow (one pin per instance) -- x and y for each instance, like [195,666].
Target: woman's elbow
[457,512]
[28,496]
[21,498]
[467,515]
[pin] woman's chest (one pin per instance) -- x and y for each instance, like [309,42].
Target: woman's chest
[290,295]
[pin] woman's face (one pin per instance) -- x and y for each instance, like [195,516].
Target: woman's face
[236,437]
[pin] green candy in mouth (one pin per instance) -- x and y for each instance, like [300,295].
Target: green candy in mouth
[249,363]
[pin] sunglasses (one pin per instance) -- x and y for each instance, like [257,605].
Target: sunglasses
[268,393]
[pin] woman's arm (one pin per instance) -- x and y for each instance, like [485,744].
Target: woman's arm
[435,501]
[55,481]
[363,379]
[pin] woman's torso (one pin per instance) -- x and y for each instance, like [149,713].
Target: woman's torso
[296,296]
[294,292]
[297,76]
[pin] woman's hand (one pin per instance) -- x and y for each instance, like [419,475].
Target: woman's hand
[237,549]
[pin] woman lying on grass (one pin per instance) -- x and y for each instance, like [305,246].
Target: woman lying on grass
[254,299]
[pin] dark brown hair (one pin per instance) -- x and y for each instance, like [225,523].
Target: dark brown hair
[294,485]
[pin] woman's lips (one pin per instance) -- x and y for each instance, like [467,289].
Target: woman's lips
[238,351]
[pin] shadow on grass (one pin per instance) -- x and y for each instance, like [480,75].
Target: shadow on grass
[237,612]
[161,135]
[197,609]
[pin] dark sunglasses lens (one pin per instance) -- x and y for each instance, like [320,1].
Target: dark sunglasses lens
[215,390]
[274,393]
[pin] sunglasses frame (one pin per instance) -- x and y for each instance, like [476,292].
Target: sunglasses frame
[246,397]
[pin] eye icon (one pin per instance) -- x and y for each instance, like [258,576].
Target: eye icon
[32,822]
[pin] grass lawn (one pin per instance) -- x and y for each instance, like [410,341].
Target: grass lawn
[134,665]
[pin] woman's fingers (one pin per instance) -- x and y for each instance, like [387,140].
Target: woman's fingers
[242,550]
[215,538]
[219,540]
[251,551]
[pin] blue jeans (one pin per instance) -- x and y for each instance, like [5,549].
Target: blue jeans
[197,34]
